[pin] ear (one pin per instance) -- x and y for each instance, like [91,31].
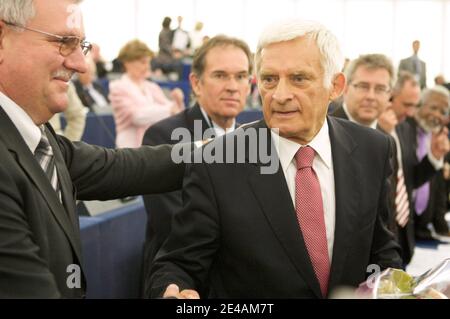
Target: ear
[2,39]
[194,83]
[338,86]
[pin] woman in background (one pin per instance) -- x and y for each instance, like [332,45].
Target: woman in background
[136,102]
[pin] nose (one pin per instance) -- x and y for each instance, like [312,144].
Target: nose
[232,84]
[282,93]
[76,61]
[371,93]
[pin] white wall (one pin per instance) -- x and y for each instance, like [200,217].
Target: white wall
[363,26]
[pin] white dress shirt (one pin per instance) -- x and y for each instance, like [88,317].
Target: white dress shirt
[322,165]
[217,129]
[30,132]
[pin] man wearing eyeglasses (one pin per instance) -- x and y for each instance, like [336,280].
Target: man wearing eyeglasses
[370,78]
[220,76]
[41,46]
[367,102]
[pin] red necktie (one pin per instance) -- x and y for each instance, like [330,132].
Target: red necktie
[309,209]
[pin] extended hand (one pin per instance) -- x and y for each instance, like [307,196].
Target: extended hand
[174,291]
[440,145]
[388,120]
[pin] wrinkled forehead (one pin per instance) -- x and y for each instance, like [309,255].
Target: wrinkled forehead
[438,100]
[60,17]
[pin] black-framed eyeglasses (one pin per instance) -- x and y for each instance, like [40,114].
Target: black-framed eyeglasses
[364,87]
[67,44]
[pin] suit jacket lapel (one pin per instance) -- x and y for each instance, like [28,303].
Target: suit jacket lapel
[276,203]
[347,174]
[15,143]
[195,114]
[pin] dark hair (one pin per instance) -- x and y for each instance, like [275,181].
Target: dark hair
[166,22]
[198,63]
[403,77]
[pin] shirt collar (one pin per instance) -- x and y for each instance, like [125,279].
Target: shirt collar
[352,119]
[320,143]
[29,131]
[217,128]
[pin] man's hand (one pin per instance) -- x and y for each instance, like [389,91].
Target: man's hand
[388,120]
[440,145]
[173,291]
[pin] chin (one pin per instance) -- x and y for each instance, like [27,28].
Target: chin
[59,106]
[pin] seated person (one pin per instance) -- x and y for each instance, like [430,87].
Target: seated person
[89,91]
[136,102]
[75,116]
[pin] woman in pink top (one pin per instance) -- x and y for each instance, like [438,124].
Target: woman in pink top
[136,102]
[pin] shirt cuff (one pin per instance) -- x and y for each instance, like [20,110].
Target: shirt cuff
[437,164]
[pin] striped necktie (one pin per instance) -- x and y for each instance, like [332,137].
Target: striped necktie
[401,200]
[45,158]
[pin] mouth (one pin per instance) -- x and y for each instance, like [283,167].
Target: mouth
[284,114]
[230,101]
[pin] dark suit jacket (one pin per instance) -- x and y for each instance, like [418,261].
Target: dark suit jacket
[160,208]
[339,112]
[39,236]
[84,95]
[408,64]
[238,236]
[416,172]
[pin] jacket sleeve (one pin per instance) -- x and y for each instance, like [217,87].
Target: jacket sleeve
[100,173]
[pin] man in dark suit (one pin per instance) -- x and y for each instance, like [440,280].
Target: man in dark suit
[372,107]
[41,173]
[219,100]
[299,222]
[415,65]
[89,91]
[366,96]
[427,132]
[416,172]
[361,103]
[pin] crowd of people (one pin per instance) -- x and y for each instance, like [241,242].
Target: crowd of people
[360,155]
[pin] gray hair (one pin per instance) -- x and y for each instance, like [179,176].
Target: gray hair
[372,62]
[19,11]
[332,59]
[438,89]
